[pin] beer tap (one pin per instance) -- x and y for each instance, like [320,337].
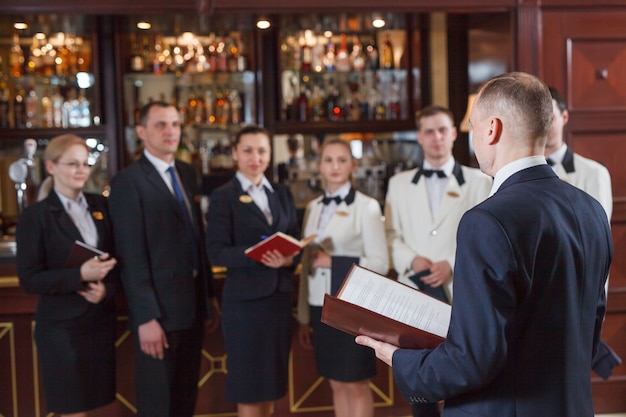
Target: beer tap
[21,173]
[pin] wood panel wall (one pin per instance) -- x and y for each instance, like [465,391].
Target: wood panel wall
[584,56]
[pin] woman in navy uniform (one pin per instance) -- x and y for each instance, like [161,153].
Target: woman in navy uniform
[75,330]
[350,230]
[257,297]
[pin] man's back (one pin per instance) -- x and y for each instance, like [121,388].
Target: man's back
[539,302]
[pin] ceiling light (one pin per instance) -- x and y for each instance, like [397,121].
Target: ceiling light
[378,21]
[263,23]
[20,25]
[143,25]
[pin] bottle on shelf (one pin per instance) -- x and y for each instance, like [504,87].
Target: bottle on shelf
[329,59]
[136,58]
[4,105]
[373,58]
[57,108]
[16,57]
[302,105]
[84,109]
[342,62]
[71,110]
[236,107]
[357,56]
[32,108]
[209,102]
[19,109]
[316,104]
[387,54]
[47,112]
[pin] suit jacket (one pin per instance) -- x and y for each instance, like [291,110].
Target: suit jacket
[237,223]
[45,236]
[155,250]
[531,265]
[354,234]
[411,228]
[588,175]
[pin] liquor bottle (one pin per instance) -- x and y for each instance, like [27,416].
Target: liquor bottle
[317,55]
[302,109]
[209,102]
[35,59]
[307,58]
[357,56]
[47,112]
[31,104]
[372,56]
[221,108]
[16,58]
[71,110]
[387,54]
[200,115]
[394,101]
[19,109]
[136,59]
[192,105]
[4,105]
[57,108]
[329,59]
[343,56]
[84,109]
[236,107]
[316,104]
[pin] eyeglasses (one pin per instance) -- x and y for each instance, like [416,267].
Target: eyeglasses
[75,164]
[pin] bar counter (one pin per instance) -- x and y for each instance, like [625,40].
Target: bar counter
[21,392]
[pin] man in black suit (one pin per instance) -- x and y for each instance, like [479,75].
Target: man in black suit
[531,264]
[166,275]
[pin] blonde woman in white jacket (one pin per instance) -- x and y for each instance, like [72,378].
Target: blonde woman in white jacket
[349,230]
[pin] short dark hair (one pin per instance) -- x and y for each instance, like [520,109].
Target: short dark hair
[143,112]
[251,130]
[560,101]
[432,110]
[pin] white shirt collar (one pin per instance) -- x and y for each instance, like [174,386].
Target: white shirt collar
[557,156]
[81,201]
[342,192]
[511,168]
[446,168]
[159,164]
[246,183]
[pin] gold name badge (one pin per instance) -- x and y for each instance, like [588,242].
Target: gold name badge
[453,194]
[97,215]
[341,213]
[245,199]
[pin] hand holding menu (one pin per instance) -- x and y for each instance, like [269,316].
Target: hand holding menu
[285,244]
[373,305]
[80,253]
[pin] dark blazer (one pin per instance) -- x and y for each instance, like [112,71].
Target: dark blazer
[155,251]
[529,302]
[237,223]
[45,235]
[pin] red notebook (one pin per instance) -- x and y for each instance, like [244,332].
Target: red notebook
[80,253]
[285,244]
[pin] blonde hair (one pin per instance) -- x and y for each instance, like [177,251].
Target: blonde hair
[336,141]
[58,145]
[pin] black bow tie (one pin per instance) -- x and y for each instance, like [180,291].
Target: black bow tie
[550,162]
[327,200]
[429,172]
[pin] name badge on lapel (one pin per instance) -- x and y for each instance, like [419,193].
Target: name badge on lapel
[453,194]
[245,199]
[341,213]
[97,215]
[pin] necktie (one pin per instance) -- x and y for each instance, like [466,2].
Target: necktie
[181,201]
[550,162]
[429,172]
[327,200]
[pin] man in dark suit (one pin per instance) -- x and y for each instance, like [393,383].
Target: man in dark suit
[531,265]
[166,276]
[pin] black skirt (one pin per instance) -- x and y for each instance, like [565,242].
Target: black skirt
[257,337]
[77,361]
[337,355]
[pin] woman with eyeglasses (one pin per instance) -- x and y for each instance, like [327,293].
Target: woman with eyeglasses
[75,316]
